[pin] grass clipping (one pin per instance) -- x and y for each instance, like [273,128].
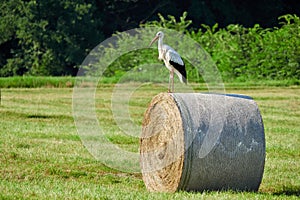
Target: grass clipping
[202,142]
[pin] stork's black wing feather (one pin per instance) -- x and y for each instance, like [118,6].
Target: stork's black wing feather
[180,68]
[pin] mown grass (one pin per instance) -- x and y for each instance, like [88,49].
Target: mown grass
[42,156]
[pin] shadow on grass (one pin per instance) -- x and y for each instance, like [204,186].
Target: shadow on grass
[42,116]
[289,191]
[37,116]
[283,192]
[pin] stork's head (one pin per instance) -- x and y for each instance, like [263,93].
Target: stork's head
[159,35]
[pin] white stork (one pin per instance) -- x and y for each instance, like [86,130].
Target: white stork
[172,60]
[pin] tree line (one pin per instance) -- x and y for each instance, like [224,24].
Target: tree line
[50,37]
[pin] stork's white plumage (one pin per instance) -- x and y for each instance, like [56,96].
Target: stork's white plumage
[172,60]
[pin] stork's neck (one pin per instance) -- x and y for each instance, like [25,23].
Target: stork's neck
[160,43]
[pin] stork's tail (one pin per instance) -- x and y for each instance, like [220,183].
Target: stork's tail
[181,77]
[183,80]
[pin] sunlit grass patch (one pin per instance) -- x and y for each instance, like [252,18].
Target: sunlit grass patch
[43,157]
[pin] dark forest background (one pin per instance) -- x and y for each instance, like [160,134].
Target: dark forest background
[50,37]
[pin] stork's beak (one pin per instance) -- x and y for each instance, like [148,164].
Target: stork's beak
[153,40]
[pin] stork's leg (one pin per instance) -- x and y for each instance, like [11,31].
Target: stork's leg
[170,79]
[172,72]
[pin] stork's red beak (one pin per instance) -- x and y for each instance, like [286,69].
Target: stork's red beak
[153,40]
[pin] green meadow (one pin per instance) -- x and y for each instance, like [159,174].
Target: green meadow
[43,157]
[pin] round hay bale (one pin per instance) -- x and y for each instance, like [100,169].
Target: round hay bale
[194,141]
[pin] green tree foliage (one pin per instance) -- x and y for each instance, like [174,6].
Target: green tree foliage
[254,53]
[46,37]
[49,37]
[240,53]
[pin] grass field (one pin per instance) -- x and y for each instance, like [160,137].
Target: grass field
[42,156]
